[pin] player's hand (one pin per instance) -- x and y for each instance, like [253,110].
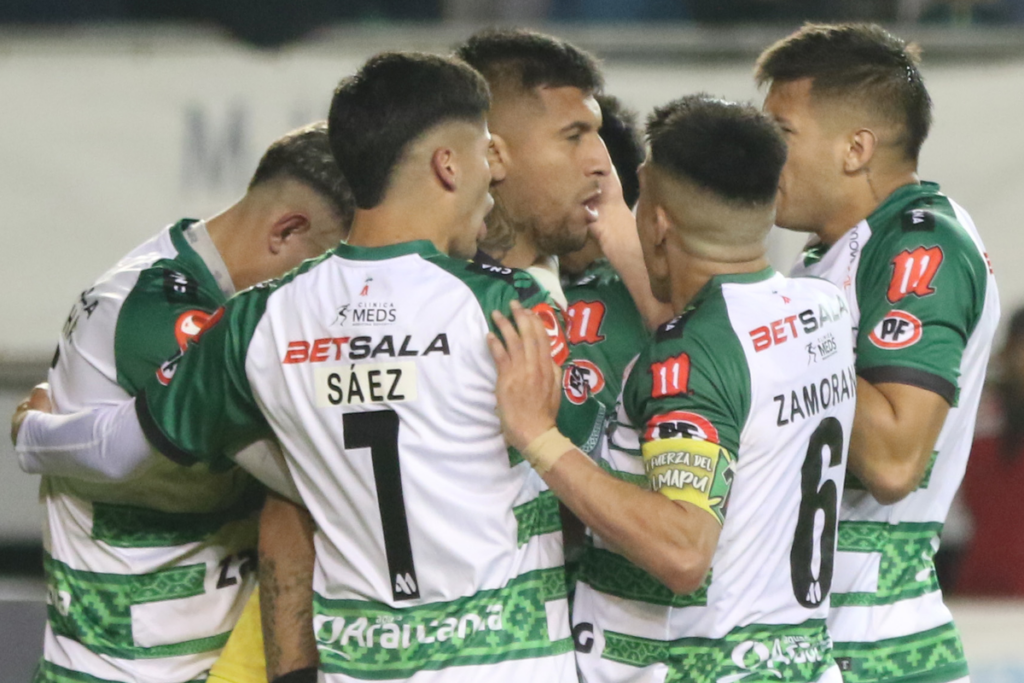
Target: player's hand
[528,387]
[615,222]
[39,399]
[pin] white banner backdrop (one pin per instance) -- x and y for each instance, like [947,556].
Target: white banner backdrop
[104,140]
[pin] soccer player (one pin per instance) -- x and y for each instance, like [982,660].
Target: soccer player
[606,330]
[717,567]
[545,121]
[435,559]
[147,578]
[855,112]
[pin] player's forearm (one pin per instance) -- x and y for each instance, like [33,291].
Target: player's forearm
[102,444]
[621,247]
[286,587]
[889,447]
[651,530]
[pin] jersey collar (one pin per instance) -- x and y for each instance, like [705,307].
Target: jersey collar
[351,252]
[716,282]
[186,240]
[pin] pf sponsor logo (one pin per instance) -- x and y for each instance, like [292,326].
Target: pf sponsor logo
[188,326]
[897,330]
[681,424]
[580,380]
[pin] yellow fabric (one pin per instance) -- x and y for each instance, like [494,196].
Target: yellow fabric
[242,660]
[685,469]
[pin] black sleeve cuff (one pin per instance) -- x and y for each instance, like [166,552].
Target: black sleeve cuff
[307,675]
[922,379]
[156,437]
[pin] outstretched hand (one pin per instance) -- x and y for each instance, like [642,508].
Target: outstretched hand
[528,387]
[39,399]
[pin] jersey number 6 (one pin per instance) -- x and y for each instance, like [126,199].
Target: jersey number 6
[819,508]
[378,431]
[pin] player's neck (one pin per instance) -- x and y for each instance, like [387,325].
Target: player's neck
[688,280]
[522,254]
[386,225]
[868,194]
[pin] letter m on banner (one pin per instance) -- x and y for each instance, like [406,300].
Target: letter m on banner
[913,272]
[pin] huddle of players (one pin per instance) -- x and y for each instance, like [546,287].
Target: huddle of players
[438,550]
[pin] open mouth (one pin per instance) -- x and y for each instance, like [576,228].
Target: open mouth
[590,205]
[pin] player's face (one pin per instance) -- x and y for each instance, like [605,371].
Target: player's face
[478,175]
[810,183]
[556,160]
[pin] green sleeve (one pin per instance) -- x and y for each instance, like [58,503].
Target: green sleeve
[921,291]
[692,381]
[165,308]
[199,406]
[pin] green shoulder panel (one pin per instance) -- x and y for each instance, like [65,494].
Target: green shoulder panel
[494,286]
[693,379]
[169,303]
[606,331]
[921,291]
[199,407]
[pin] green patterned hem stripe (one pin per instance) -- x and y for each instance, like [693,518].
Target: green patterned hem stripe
[94,608]
[127,526]
[635,479]
[538,516]
[905,569]
[48,672]
[935,656]
[750,653]
[372,641]
[613,574]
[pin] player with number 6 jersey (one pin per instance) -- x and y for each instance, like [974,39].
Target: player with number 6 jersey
[713,516]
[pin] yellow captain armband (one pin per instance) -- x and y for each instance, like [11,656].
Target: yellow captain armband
[697,472]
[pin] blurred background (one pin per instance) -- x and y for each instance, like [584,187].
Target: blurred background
[118,117]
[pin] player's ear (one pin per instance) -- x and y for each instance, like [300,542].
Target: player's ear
[662,227]
[498,157]
[443,164]
[860,150]
[286,228]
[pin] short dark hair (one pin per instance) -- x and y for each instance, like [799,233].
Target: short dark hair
[862,61]
[393,99]
[305,155]
[526,60]
[730,149]
[621,136]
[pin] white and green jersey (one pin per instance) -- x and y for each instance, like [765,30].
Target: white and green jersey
[925,308]
[146,578]
[745,400]
[438,551]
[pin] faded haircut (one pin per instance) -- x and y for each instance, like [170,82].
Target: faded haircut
[731,149]
[858,62]
[305,155]
[524,60]
[393,99]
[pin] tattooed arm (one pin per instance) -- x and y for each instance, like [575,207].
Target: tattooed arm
[286,587]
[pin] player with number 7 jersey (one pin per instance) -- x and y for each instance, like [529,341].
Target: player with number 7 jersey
[438,550]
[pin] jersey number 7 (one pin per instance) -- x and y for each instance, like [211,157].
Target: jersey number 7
[378,431]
